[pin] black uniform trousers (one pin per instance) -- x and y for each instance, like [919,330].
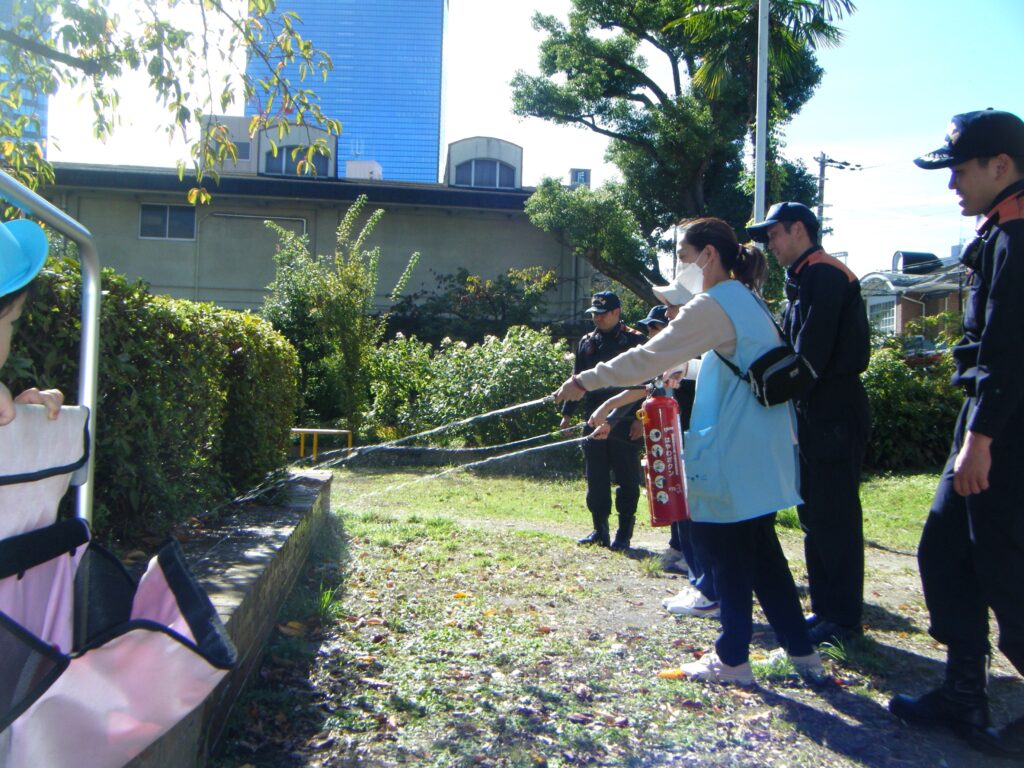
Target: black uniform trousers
[747,559]
[971,554]
[616,458]
[833,423]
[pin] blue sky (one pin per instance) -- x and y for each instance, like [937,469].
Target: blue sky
[905,68]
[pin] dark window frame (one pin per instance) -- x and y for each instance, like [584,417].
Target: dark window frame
[502,171]
[167,210]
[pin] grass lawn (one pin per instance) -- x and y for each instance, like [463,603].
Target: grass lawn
[453,621]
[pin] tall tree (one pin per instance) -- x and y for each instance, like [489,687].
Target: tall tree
[599,226]
[192,53]
[671,137]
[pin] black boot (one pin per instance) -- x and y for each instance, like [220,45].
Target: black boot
[625,533]
[959,705]
[595,537]
[600,533]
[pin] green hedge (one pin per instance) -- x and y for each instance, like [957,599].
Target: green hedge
[195,402]
[913,410]
[415,388]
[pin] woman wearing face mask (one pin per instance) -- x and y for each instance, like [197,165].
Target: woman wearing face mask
[740,455]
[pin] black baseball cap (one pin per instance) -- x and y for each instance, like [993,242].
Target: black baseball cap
[657,316]
[986,133]
[782,212]
[602,302]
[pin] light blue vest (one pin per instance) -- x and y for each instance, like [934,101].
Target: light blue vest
[740,457]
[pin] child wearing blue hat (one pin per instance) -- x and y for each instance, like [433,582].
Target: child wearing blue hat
[23,249]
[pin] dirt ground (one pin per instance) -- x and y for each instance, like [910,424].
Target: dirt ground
[896,623]
[779,723]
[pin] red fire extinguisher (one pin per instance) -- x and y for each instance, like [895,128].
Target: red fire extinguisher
[663,438]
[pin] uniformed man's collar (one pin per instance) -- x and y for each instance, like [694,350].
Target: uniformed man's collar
[1007,203]
[614,332]
[795,267]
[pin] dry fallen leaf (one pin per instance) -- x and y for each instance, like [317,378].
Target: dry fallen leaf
[292,629]
[461,595]
[545,630]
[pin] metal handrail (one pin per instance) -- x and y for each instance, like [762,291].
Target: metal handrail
[24,198]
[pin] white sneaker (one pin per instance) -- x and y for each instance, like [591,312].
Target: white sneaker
[711,669]
[695,604]
[809,667]
[686,593]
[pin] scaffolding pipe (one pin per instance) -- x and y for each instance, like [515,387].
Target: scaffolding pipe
[19,195]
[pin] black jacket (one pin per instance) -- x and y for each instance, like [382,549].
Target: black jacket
[597,347]
[825,319]
[990,356]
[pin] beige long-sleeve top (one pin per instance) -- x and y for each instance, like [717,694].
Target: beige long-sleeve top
[700,326]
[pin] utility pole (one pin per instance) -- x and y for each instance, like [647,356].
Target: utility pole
[824,161]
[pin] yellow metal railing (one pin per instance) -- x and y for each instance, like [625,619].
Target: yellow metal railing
[316,432]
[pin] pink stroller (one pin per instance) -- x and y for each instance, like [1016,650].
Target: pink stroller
[86,656]
[93,667]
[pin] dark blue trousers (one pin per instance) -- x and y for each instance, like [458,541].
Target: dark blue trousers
[972,553]
[747,560]
[701,576]
[618,459]
[833,426]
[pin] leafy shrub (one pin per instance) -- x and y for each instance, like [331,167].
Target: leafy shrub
[400,374]
[167,395]
[324,306]
[913,411]
[262,397]
[420,391]
[469,307]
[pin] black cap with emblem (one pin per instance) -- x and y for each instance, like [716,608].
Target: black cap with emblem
[985,133]
[602,302]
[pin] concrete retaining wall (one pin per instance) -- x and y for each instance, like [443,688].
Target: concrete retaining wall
[247,565]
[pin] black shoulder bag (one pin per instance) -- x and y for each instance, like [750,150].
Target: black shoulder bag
[779,375]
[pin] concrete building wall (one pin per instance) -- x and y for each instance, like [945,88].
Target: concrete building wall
[230,261]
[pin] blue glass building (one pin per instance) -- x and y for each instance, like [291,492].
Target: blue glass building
[32,105]
[387,81]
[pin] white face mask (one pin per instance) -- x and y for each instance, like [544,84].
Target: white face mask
[691,277]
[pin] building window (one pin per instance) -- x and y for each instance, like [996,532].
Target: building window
[242,149]
[167,222]
[283,164]
[483,172]
[882,314]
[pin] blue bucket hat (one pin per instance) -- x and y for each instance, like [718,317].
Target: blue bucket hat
[657,316]
[23,249]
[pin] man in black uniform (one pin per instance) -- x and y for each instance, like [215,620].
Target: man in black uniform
[972,549]
[618,455]
[827,325]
